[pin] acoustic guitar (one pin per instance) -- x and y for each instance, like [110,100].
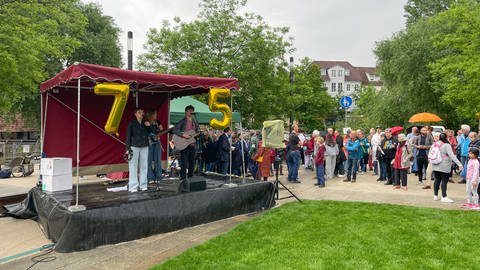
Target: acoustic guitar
[181,143]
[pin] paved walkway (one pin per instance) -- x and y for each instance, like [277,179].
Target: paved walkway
[23,235]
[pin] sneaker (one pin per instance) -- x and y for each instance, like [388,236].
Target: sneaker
[341,175]
[419,183]
[426,187]
[396,187]
[474,207]
[144,189]
[446,200]
[362,173]
[435,198]
[132,191]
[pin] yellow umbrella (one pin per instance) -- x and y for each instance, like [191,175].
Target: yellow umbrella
[424,117]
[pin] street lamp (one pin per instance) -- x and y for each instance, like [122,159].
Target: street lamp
[291,91]
[130,50]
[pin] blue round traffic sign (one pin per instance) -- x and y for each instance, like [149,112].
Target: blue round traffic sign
[346,102]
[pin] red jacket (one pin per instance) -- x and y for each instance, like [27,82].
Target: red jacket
[310,146]
[320,157]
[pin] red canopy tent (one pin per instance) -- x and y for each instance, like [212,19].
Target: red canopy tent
[97,151]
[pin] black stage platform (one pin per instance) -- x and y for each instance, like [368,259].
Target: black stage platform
[113,217]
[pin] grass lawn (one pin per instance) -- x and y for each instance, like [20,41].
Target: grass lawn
[343,235]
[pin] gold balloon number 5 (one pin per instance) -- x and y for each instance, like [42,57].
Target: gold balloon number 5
[214,106]
[120,92]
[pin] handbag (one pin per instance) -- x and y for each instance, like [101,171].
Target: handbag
[259,159]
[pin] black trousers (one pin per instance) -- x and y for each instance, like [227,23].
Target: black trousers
[187,160]
[441,179]
[422,163]
[388,165]
[400,176]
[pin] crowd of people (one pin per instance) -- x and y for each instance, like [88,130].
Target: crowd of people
[429,155]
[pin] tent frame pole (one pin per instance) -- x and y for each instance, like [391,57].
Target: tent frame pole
[230,184]
[77,207]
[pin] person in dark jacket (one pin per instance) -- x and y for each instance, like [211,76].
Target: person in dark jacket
[223,151]
[211,153]
[339,168]
[187,155]
[137,148]
[236,155]
[389,148]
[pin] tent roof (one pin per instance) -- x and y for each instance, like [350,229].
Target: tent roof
[203,113]
[178,85]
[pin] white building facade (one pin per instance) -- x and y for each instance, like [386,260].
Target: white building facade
[341,78]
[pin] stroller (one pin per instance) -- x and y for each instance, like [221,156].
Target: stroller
[18,167]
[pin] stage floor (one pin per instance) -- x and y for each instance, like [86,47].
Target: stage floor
[95,195]
[113,217]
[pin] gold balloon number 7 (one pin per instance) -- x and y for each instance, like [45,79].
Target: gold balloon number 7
[120,92]
[214,106]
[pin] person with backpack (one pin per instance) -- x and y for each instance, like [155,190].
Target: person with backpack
[331,153]
[441,157]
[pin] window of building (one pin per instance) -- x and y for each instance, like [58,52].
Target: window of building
[334,87]
[340,73]
[340,86]
[334,73]
[347,72]
[348,87]
[323,71]
[356,87]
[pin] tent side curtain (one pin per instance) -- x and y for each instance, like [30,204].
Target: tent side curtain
[203,114]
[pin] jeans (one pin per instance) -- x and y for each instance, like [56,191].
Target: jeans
[320,175]
[187,160]
[136,164]
[210,167]
[224,168]
[414,163]
[422,163]
[383,170]
[352,168]
[464,163]
[154,162]
[293,161]
[375,167]
[253,167]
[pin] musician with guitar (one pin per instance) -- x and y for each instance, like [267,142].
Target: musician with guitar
[185,132]
[154,173]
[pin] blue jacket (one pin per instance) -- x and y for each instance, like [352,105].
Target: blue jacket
[352,148]
[463,144]
[363,148]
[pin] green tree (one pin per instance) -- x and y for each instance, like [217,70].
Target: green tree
[99,44]
[420,9]
[223,43]
[31,34]
[457,71]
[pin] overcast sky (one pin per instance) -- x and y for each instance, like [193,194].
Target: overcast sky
[322,29]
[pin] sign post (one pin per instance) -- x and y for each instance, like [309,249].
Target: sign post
[346,102]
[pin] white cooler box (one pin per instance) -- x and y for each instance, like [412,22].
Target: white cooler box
[56,174]
[55,166]
[52,183]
